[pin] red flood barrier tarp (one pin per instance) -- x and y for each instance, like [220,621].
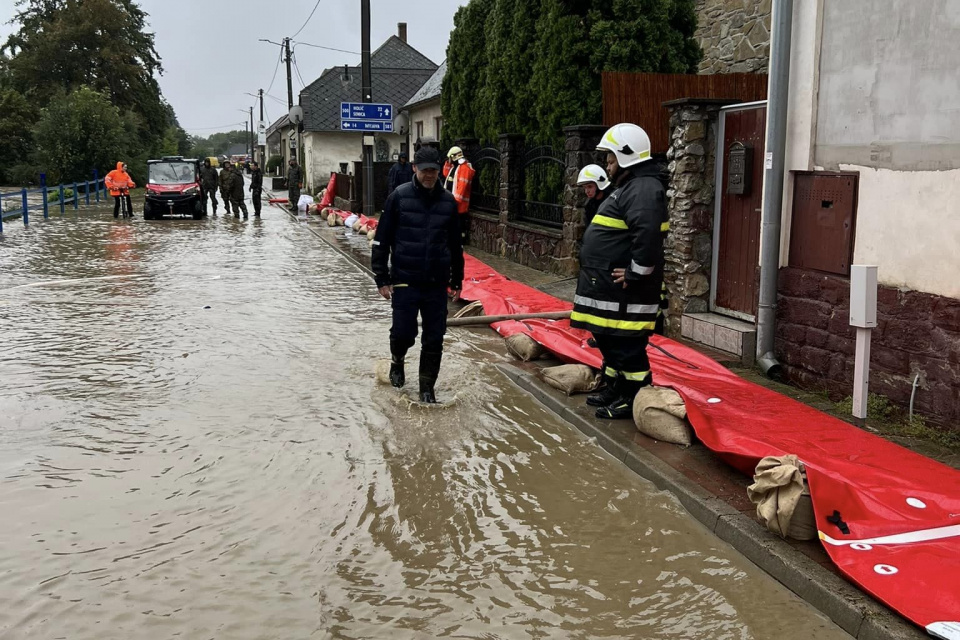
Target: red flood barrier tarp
[901,510]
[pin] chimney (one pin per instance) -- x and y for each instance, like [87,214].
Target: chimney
[402,31]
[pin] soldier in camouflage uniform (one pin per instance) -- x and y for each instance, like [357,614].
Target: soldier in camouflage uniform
[294,180]
[209,182]
[226,181]
[236,193]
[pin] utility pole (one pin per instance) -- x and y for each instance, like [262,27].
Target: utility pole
[286,47]
[251,134]
[263,149]
[367,89]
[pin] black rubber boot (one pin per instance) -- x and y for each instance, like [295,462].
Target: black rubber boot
[429,371]
[397,376]
[607,394]
[622,407]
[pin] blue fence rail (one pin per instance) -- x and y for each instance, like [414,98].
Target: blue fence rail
[87,190]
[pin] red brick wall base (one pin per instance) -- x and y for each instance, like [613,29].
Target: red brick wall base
[917,333]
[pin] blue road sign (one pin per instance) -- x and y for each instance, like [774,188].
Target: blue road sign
[366,111]
[366,125]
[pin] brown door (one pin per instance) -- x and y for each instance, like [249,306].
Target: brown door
[741,196]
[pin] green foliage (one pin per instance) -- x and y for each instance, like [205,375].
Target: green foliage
[67,195]
[535,67]
[63,45]
[892,420]
[17,118]
[77,133]
[274,163]
[217,143]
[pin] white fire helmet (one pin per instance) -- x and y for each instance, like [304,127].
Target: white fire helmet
[628,142]
[455,154]
[594,173]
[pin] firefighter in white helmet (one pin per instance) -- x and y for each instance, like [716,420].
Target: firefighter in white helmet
[621,269]
[594,181]
[459,176]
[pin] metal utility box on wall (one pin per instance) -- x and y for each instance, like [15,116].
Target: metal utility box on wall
[740,169]
[863,296]
[824,221]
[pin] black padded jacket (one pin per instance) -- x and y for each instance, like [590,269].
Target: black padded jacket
[418,238]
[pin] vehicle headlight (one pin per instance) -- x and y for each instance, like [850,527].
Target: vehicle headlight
[191,191]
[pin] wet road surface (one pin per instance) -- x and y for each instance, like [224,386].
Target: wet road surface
[173,470]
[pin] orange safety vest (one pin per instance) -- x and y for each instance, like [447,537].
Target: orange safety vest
[118,181]
[462,185]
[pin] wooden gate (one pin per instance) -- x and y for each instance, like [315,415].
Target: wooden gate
[736,241]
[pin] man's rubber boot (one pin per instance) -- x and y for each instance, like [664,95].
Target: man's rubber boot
[622,407]
[607,394]
[397,376]
[429,372]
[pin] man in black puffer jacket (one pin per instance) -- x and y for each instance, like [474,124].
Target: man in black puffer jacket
[417,255]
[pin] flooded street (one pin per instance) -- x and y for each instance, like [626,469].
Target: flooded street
[193,445]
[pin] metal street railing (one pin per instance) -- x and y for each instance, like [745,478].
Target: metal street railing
[84,190]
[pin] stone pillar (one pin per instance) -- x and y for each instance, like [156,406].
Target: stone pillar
[580,149]
[511,179]
[689,247]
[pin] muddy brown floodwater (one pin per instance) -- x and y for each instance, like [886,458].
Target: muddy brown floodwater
[192,445]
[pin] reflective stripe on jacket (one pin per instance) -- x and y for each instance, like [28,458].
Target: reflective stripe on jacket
[463,183]
[626,233]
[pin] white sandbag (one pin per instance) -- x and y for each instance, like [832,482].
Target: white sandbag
[782,497]
[363,229]
[325,213]
[472,310]
[357,225]
[304,203]
[351,220]
[524,347]
[571,378]
[382,371]
[371,234]
[659,412]
[337,221]
[332,220]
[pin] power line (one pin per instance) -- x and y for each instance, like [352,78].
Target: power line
[275,69]
[297,67]
[308,19]
[317,46]
[283,102]
[222,126]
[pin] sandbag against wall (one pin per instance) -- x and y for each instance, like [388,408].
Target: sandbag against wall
[522,346]
[660,413]
[571,378]
[782,497]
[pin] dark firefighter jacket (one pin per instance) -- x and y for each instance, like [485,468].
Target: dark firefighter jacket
[419,234]
[590,209]
[627,233]
[256,180]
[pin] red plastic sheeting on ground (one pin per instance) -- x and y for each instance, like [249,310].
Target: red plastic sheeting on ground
[902,509]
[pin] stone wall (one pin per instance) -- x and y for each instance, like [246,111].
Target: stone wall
[734,35]
[917,333]
[689,245]
[532,245]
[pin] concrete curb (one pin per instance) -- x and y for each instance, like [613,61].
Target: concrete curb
[848,607]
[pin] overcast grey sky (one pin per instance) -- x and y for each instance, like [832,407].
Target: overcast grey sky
[212,57]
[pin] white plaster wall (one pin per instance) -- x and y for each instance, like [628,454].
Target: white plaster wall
[324,151]
[908,224]
[802,105]
[426,113]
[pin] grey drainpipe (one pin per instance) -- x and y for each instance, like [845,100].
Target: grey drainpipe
[773,195]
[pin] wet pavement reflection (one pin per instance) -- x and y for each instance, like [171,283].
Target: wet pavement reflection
[193,444]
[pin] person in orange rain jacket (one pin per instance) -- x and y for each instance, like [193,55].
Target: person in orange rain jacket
[119,183]
[459,176]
